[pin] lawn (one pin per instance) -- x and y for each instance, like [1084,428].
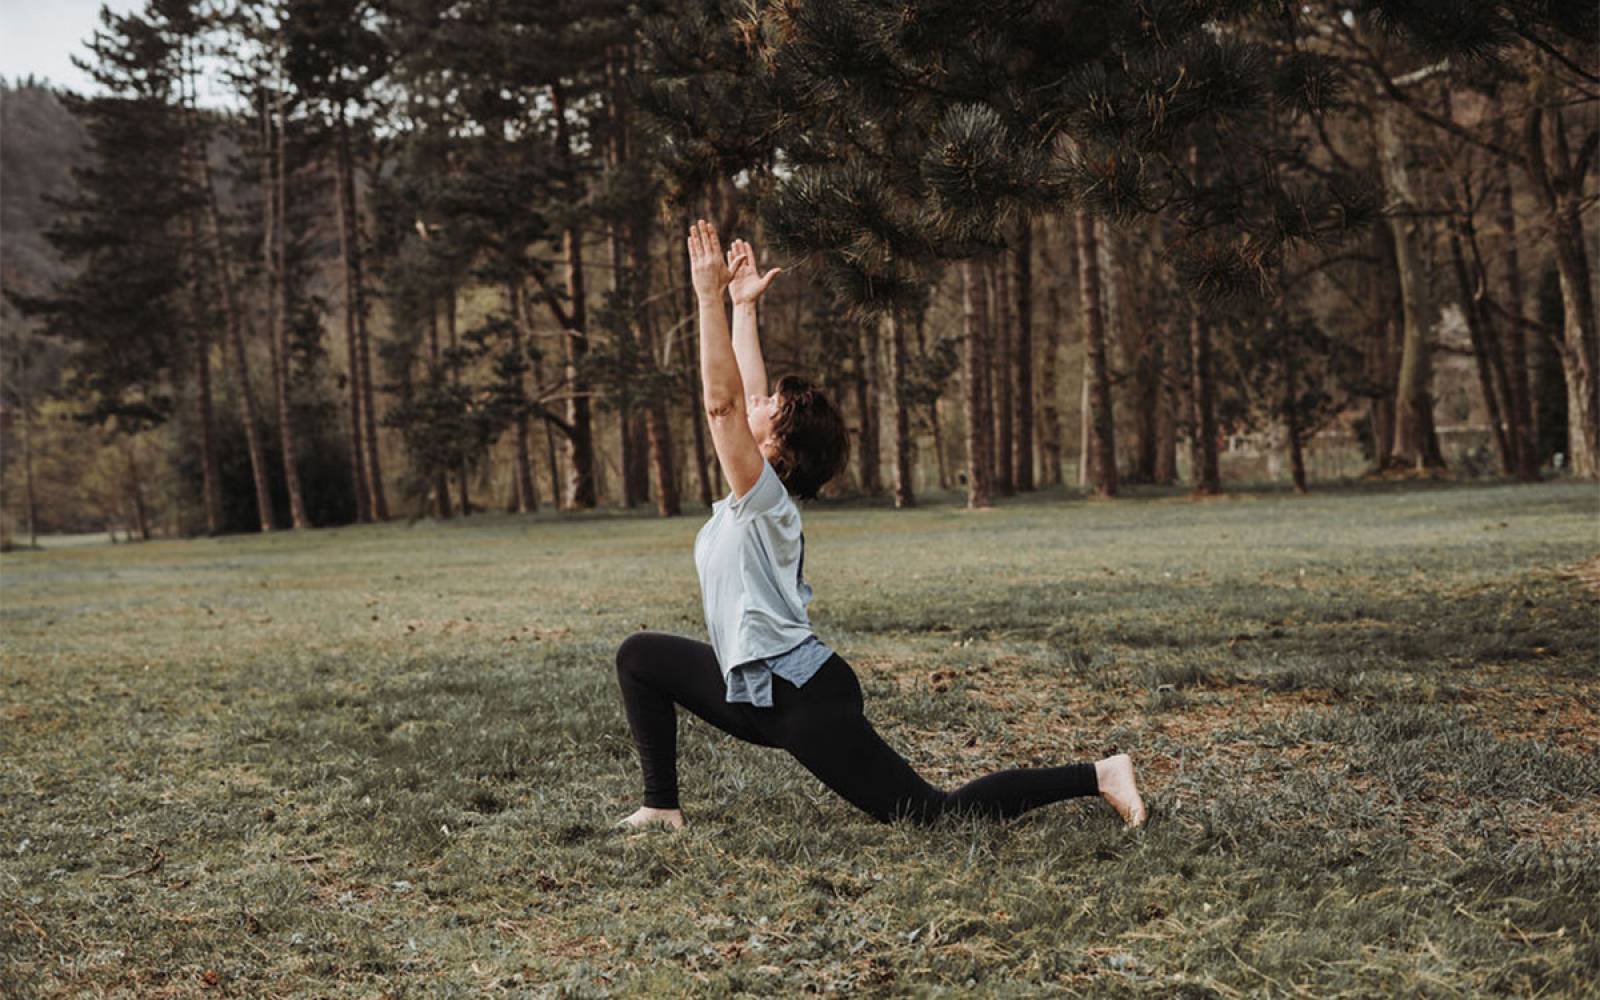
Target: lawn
[387,760]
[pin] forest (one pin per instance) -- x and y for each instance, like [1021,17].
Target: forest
[300,263]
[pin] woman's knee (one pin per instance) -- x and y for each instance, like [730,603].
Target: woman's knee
[634,652]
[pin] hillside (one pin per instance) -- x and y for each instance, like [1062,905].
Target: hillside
[40,143]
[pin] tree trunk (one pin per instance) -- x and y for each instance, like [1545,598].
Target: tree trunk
[634,468]
[657,424]
[27,468]
[975,361]
[1086,454]
[249,412]
[1561,190]
[1142,352]
[575,339]
[455,379]
[866,359]
[356,290]
[1483,346]
[1023,283]
[1379,360]
[136,491]
[697,418]
[1515,340]
[441,485]
[1004,382]
[903,495]
[276,201]
[1049,407]
[1166,467]
[1203,471]
[1416,444]
[933,407]
[527,500]
[552,459]
[1291,416]
[358,450]
[986,386]
[211,478]
[1102,425]
[633,492]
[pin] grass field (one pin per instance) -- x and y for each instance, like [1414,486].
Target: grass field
[386,761]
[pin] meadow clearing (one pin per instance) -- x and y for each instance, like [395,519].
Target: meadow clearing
[387,760]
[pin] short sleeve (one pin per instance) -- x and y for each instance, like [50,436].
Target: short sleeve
[765,495]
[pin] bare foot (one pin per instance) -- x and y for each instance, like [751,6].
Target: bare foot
[1115,775]
[647,816]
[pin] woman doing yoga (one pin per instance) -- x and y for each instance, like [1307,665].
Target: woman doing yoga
[765,677]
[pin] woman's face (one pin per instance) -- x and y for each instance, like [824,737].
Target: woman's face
[761,411]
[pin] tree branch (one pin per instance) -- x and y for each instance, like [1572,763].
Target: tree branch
[552,300]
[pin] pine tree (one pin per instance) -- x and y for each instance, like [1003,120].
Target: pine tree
[126,310]
[334,58]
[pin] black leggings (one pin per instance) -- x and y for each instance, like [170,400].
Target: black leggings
[821,724]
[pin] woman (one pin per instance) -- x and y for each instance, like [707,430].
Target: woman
[765,677]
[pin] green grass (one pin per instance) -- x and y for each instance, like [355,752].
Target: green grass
[387,760]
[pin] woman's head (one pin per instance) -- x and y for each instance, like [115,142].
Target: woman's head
[801,434]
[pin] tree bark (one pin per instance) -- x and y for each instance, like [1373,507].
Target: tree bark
[1102,425]
[903,493]
[975,361]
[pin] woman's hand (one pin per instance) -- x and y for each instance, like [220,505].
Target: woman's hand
[707,267]
[748,283]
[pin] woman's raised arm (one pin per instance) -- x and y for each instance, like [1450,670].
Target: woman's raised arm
[745,288]
[721,386]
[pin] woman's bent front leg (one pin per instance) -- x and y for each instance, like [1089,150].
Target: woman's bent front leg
[656,672]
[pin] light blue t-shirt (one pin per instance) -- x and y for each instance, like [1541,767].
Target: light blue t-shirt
[750,556]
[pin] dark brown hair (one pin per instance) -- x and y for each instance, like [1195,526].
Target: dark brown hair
[810,437]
